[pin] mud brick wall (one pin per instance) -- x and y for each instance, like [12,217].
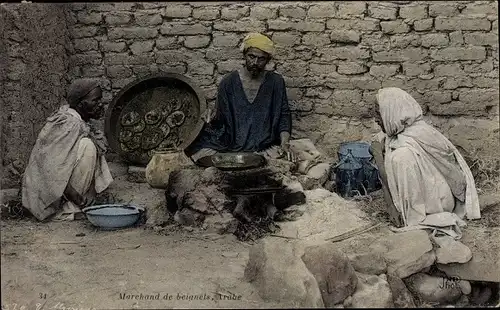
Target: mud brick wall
[33,78]
[334,56]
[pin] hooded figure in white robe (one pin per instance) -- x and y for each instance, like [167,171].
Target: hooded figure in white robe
[68,158]
[429,181]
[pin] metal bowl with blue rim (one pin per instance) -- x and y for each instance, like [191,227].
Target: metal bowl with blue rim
[113,216]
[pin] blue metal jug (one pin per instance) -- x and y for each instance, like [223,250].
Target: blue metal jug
[355,174]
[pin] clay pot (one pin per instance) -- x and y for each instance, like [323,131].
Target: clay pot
[161,165]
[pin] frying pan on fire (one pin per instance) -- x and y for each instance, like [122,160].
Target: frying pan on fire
[232,161]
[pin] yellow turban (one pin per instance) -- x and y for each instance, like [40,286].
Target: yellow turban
[259,41]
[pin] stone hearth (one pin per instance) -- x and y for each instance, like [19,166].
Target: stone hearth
[241,202]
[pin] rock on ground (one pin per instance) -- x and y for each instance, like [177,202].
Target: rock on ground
[309,183]
[277,272]
[157,215]
[11,194]
[485,262]
[489,200]
[372,292]
[210,175]
[121,190]
[325,215]
[335,276]
[280,167]
[406,253]
[196,199]
[118,168]
[222,223]
[465,287]
[361,243]
[401,296]
[451,251]
[189,217]
[368,263]
[433,289]
[137,174]
[320,172]
[181,182]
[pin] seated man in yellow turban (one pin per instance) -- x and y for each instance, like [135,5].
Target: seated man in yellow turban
[252,115]
[252,112]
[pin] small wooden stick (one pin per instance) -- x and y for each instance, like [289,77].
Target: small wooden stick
[284,237]
[352,233]
[128,247]
[66,242]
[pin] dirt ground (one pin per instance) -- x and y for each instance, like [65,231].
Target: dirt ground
[55,266]
[72,265]
[59,265]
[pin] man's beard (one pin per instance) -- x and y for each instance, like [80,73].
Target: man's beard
[96,113]
[254,71]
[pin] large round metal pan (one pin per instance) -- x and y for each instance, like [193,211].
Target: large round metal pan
[233,161]
[154,113]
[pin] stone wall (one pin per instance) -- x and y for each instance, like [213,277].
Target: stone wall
[334,56]
[33,76]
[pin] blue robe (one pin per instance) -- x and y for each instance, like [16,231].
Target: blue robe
[243,126]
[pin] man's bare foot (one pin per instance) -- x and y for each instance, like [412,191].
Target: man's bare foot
[239,211]
[271,211]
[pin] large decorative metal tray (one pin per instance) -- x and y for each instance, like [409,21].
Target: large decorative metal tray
[154,113]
